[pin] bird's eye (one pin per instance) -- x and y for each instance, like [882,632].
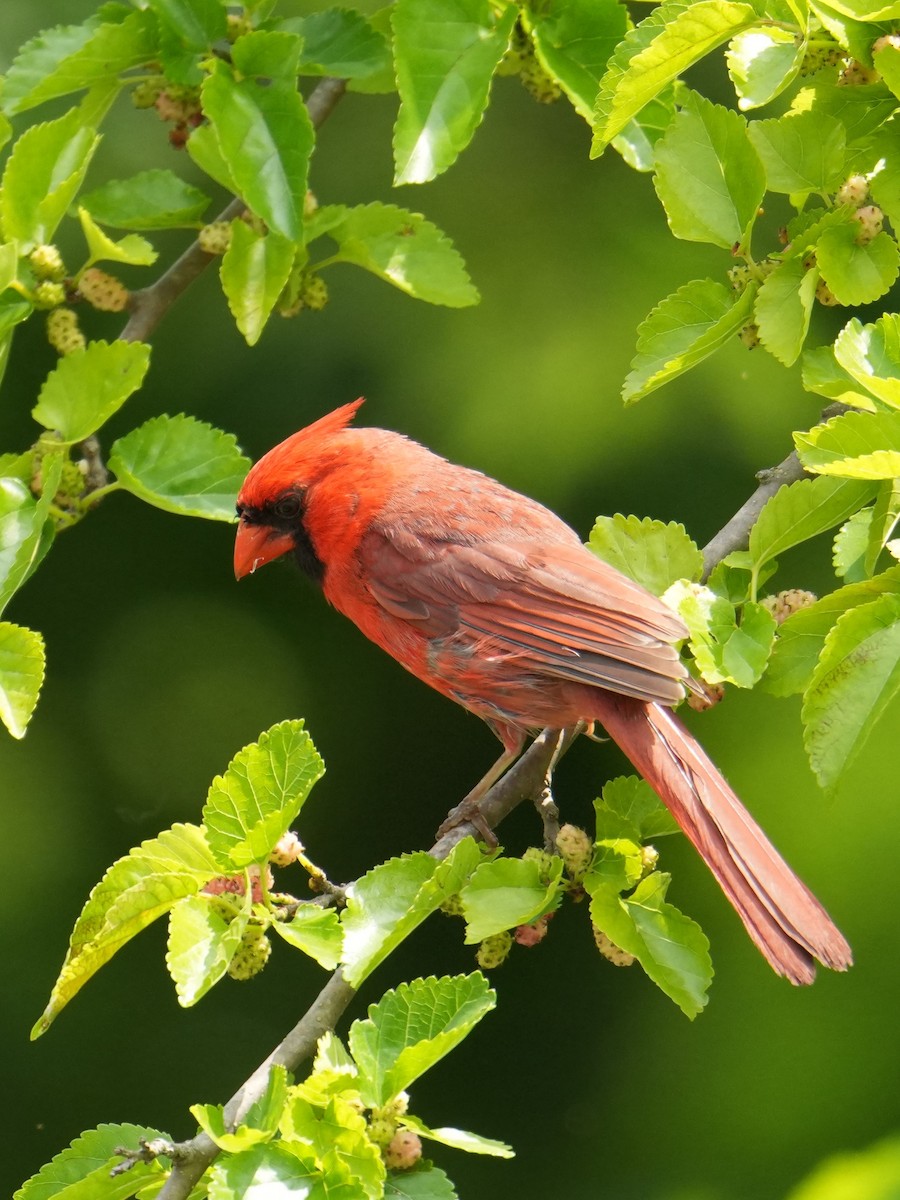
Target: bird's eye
[288,507]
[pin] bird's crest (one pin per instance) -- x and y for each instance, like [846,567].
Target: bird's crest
[279,468]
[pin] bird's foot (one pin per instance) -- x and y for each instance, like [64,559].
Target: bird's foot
[469,810]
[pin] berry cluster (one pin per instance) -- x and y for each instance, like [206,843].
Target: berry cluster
[784,604]
[176,104]
[520,59]
[309,291]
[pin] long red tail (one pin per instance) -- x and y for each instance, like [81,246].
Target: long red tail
[780,913]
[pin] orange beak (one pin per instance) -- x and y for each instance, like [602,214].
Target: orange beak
[256,545]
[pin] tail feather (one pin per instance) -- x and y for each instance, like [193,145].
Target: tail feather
[782,916]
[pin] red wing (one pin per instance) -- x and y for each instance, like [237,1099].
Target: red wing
[556,607]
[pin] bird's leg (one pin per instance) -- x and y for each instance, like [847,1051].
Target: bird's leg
[468,809]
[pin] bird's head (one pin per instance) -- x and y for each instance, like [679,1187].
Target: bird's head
[272,502]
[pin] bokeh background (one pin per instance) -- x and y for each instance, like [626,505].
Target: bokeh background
[161,668]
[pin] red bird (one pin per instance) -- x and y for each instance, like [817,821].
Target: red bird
[493,600]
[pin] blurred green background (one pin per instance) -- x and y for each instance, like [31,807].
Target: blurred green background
[161,668]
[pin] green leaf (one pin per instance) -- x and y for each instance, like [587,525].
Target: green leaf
[134,892]
[783,308]
[799,511]
[71,57]
[181,465]
[709,178]
[22,663]
[458,1139]
[412,1027]
[26,532]
[82,1170]
[658,50]
[573,40]
[149,200]
[211,1119]
[254,271]
[823,374]
[762,62]
[263,129]
[506,893]
[196,23]
[856,678]
[870,354]
[252,805]
[387,903]
[650,552]
[203,147]
[400,247]
[422,1183]
[671,948]
[341,43]
[885,518]
[629,798]
[339,1137]
[873,1173]
[84,390]
[801,152]
[637,141]
[446,52]
[802,636]
[41,177]
[861,110]
[315,931]
[725,651]
[271,1169]
[682,330]
[855,445]
[857,274]
[200,947]
[132,248]
[851,542]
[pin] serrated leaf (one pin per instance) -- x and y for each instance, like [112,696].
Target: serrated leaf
[201,945]
[885,518]
[823,374]
[682,330]
[783,308]
[82,1170]
[632,799]
[672,949]
[445,52]
[134,891]
[725,650]
[42,175]
[254,271]
[412,1027]
[22,661]
[400,247]
[260,1122]
[652,553]
[801,510]
[658,50]
[84,389]
[271,1169]
[341,43]
[709,178]
[854,445]
[848,553]
[387,903]
[181,465]
[422,1183]
[263,130]
[856,678]
[802,636]
[870,354]
[573,40]
[26,532]
[132,249]
[459,1139]
[506,893]
[70,57]
[196,23]
[637,141]
[762,62]
[801,152]
[203,147]
[252,805]
[338,1135]
[857,274]
[315,931]
[154,199]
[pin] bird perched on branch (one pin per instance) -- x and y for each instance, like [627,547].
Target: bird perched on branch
[493,600]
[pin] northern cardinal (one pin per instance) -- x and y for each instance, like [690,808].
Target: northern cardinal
[494,601]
